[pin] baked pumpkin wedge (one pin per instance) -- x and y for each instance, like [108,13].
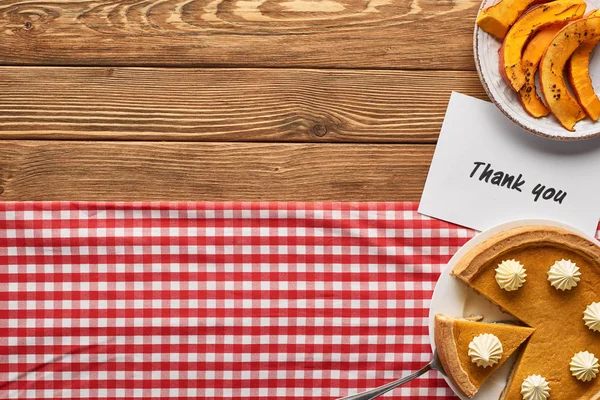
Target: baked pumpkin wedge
[531,102]
[578,72]
[497,19]
[562,104]
[511,51]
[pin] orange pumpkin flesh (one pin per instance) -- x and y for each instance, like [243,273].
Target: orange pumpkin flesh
[579,76]
[562,104]
[511,51]
[528,96]
[497,19]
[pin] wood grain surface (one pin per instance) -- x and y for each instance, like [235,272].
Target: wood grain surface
[65,170]
[227,104]
[388,34]
[227,99]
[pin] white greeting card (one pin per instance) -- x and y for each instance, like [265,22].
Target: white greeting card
[486,171]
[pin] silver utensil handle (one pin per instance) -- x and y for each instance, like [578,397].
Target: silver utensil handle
[371,394]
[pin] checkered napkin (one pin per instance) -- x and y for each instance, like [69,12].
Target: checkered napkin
[217,300]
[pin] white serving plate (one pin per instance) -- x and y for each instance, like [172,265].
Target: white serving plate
[454,298]
[485,48]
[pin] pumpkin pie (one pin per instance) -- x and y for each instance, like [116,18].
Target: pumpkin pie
[554,306]
[453,337]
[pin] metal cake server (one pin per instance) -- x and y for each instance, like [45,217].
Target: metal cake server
[373,393]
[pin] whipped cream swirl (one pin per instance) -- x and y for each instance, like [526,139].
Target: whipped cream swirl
[510,275]
[584,366]
[535,387]
[485,350]
[591,317]
[564,275]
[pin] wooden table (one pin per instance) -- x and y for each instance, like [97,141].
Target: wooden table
[227,99]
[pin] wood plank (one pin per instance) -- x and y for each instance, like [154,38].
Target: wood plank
[64,170]
[402,34]
[292,105]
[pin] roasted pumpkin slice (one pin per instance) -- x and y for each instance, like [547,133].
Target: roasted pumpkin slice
[511,51]
[579,76]
[531,102]
[562,104]
[497,19]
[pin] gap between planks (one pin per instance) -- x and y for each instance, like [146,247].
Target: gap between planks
[445,68]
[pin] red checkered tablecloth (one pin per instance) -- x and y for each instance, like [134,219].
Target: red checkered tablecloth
[217,300]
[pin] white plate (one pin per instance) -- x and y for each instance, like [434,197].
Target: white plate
[485,48]
[456,299]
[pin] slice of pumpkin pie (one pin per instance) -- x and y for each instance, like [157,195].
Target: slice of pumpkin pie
[471,351]
[549,278]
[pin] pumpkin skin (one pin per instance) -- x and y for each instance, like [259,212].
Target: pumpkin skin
[531,102]
[497,19]
[560,102]
[578,72]
[511,51]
